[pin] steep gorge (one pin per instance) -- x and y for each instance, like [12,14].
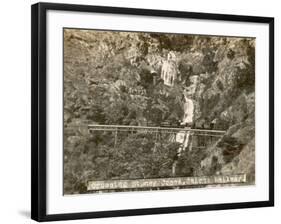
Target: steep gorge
[115,78]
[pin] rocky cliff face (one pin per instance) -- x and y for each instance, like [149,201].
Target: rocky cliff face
[229,99]
[115,78]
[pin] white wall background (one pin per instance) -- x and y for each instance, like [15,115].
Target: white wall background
[15,110]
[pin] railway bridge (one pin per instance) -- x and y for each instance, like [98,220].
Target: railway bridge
[188,137]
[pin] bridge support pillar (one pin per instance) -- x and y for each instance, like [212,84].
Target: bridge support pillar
[115,137]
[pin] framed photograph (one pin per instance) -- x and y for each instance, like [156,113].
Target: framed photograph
[140,111]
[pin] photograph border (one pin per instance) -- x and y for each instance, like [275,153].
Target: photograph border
[39,110]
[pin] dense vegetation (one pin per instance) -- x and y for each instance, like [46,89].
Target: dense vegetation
[114,78]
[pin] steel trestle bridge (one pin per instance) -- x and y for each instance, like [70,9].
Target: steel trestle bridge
[198,138]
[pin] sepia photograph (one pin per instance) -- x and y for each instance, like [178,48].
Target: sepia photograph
[147,111]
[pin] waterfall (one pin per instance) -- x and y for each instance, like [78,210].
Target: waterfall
[169,70]
[188,109]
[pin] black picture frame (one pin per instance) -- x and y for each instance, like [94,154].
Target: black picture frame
[39,108]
